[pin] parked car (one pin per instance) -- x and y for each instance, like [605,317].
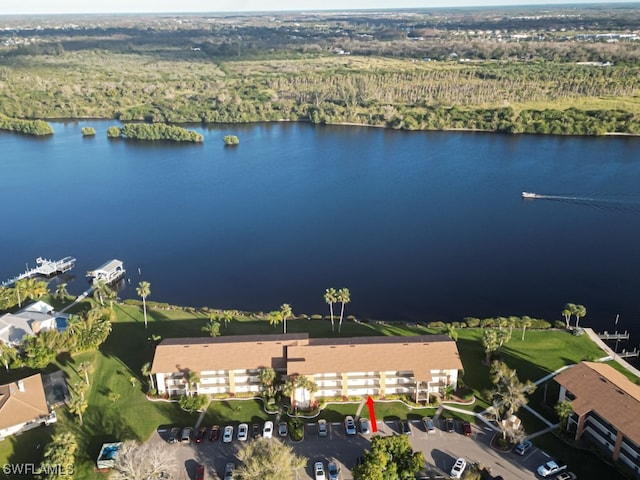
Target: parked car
[228,471]
[429,426]
[523,447]
[322,428]
[186,434]
[199,472]
[202,433]
[283,429]
[458,468]
[214,433]
[551,468]
[466,429]
[318,471]
[567,476]
[449,426]
[267,429]
[255,430]
[173,435]
[243,432]
[334,471]
[349,425]
[227,434]
[364,426]
[404,427]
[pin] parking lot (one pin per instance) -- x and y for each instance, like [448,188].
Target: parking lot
[440,449]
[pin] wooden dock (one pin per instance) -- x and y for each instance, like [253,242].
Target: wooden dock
[614,336]
[632,354]
[45,268]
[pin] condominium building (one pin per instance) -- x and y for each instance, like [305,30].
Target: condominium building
[345,367]
[606,410]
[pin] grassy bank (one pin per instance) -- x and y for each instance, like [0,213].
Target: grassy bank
[118,408]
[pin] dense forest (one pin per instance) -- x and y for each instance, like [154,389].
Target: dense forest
[513,70]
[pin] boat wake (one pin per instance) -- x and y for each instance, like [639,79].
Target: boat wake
[608,205]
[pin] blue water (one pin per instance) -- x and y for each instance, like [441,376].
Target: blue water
[418,225]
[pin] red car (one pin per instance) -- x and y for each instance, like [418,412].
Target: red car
[214,434]
[466,429]
[199,472]
[201,434]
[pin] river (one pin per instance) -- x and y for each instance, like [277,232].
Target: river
[419,226]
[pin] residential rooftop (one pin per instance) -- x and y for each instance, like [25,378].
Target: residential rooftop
[600,388]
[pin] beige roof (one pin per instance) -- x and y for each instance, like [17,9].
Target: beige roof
[600,388]
[18,407]
[375,354]
[237,352]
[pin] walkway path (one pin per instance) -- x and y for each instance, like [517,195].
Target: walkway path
[594,336]
[80,297]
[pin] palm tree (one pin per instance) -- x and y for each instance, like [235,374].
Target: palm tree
[564,410]
[307,385]
[191,378]
[526,322]
[227,315]
[80,388]
[289,387]
[61,291]
[267,377]
[580,311]
[212,328]
[8,354]
[144,290]
[344,296]
[100,290]
[146,371]
[569,309]
[72,323]
[331,297]
[77,406]
[285,312]
[85,368]
[274,317]
[490,343]
[451,332]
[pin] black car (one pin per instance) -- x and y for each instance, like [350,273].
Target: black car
[255,430]
[404,427]
[214,433]
[449,425]
[174,435]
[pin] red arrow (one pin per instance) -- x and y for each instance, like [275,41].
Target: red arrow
[372,415]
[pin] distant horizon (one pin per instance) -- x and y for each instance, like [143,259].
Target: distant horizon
[46,7]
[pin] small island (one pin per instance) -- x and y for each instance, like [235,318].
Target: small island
[27,127]
[231,140]
[155,131]
[88,131]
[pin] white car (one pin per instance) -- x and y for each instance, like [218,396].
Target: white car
[243,432]
[458,468]
[227,435]
[550,468]
[318,470]
[322,428]
[267,430]
[350,425]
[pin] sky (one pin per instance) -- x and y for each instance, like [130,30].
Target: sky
[11,7]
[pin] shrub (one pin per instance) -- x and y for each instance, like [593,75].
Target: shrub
[436,325]
[472,322]
[316,317]
[296,429]
[193,403]
[87,131]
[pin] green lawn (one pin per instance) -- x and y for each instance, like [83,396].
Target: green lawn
[132,416]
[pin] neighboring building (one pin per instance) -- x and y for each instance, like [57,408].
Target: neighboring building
[606,407]
[23,406]
[31,320]
[345,367]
